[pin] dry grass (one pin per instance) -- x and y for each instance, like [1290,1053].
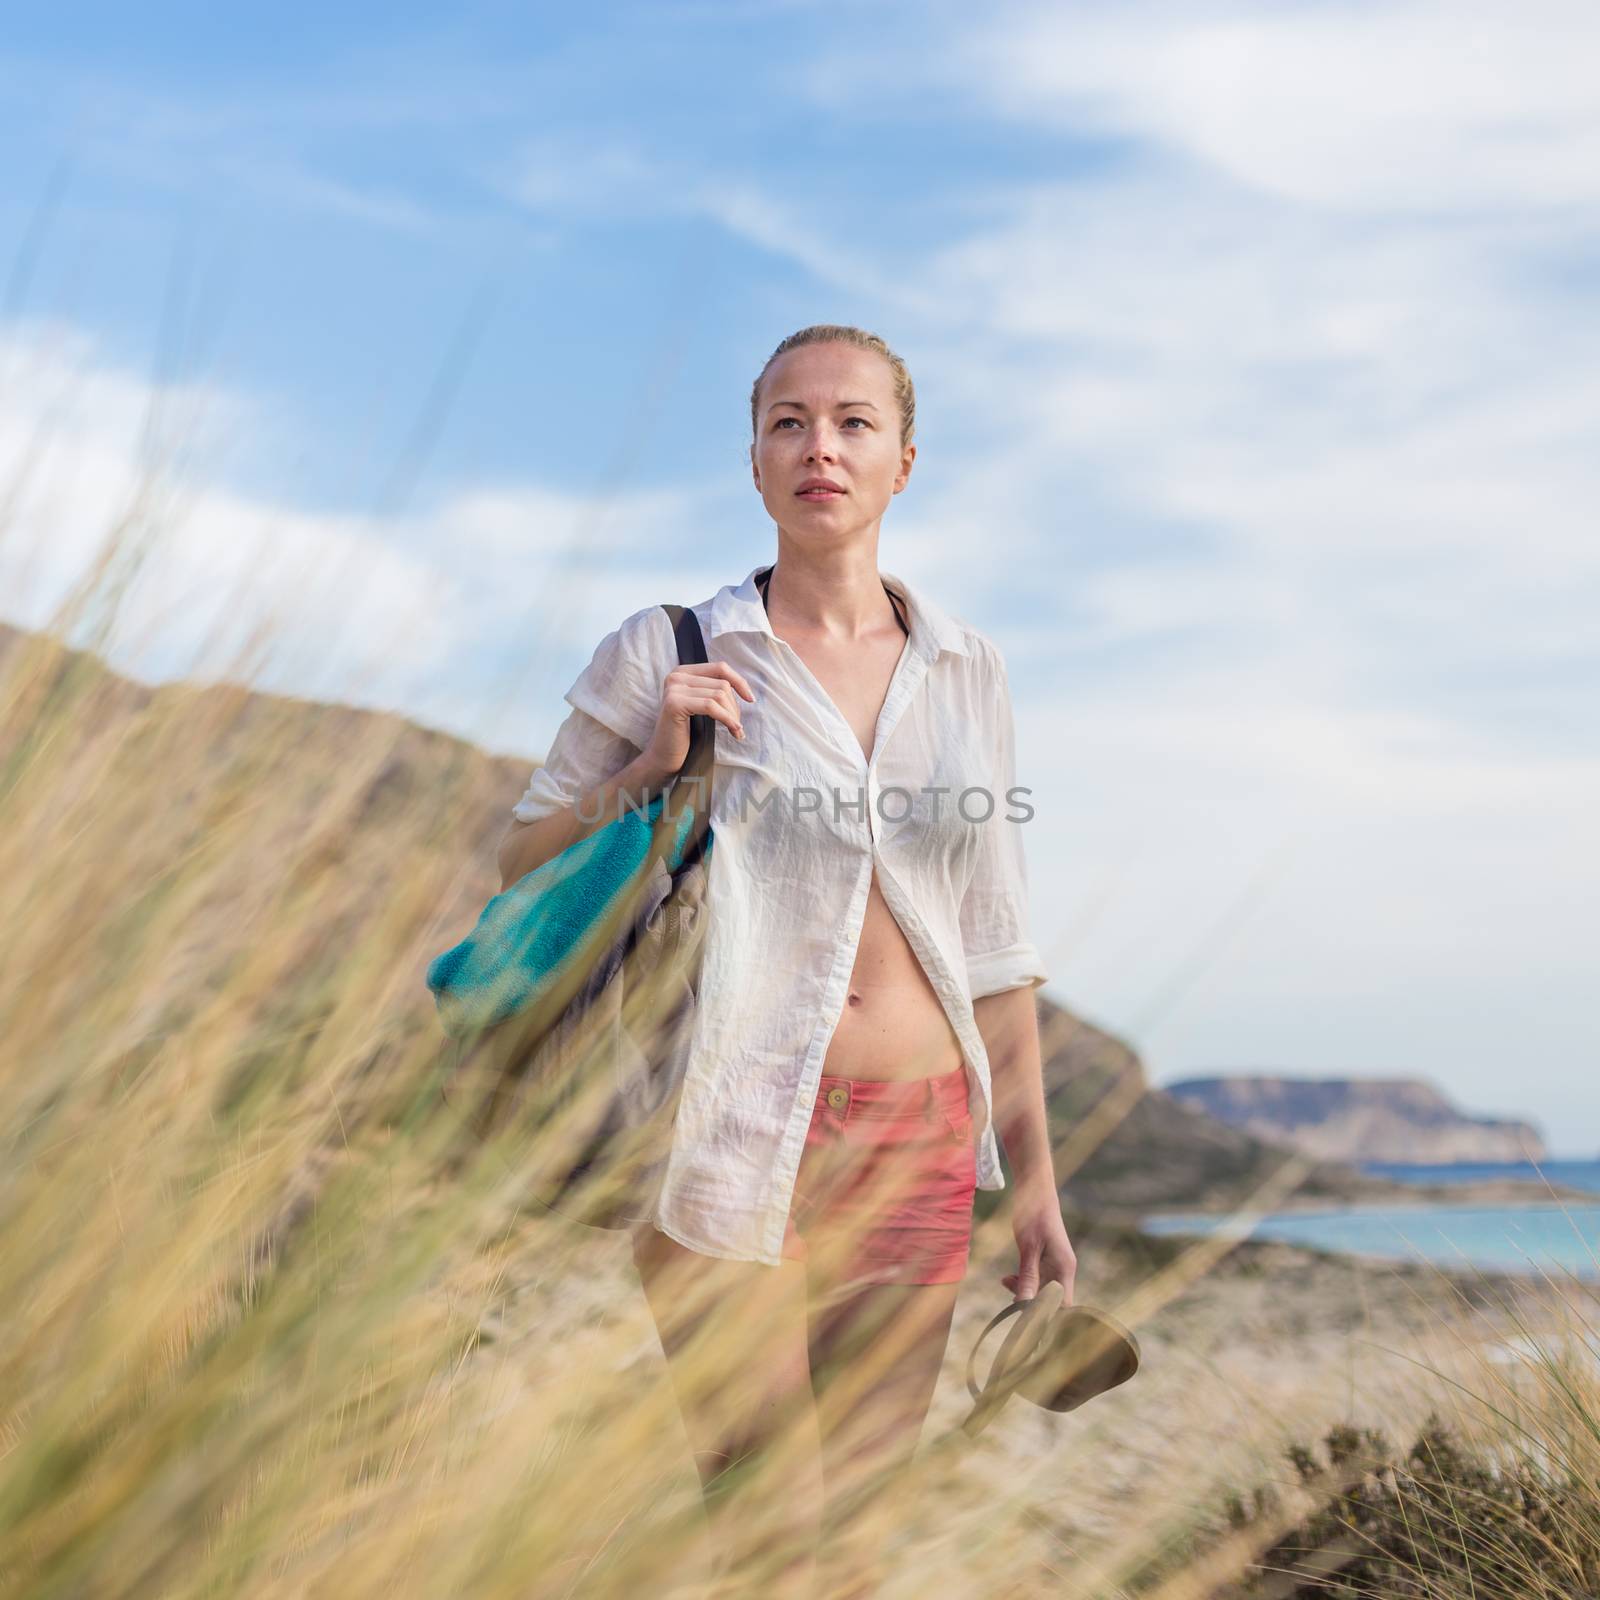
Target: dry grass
[255,1344]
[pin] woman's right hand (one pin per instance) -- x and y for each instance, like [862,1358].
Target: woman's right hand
[701,688]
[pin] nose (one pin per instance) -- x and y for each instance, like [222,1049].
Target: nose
[821,443]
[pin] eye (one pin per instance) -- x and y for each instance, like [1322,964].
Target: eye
[864,421]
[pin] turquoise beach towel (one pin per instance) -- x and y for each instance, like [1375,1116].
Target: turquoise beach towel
[527,937]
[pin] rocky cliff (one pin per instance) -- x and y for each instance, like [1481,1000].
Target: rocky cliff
[1359,1119]
[1123,1148]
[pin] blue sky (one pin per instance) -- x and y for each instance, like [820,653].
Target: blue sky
[1256,361]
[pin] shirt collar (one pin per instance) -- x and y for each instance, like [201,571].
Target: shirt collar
[737,608]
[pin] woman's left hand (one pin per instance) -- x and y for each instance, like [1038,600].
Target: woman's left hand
[1044,1251]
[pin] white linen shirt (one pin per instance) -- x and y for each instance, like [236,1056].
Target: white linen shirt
[789,878]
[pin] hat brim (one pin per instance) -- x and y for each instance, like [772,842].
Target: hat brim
[1056,1356]
[1085,1352]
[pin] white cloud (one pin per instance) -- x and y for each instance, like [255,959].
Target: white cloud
[88,449]
[1344,439]
[1245,878]
[444,611]
[1293,399]
[1428,107]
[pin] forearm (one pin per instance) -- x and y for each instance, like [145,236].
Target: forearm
[1008,1023]
[534,843]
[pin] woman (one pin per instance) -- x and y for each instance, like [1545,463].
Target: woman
[867,988]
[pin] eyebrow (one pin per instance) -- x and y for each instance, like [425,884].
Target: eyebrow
[843,405]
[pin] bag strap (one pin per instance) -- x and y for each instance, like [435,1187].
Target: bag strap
[691,650]
[698,761]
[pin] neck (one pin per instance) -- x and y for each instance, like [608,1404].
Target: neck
[840,595]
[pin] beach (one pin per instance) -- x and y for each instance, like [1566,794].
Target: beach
[1263,1348]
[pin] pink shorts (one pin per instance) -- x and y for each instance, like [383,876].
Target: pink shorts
[885,1186]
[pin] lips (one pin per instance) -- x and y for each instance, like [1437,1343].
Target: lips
[819,489]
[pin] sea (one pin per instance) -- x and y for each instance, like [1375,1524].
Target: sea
[1548,1236]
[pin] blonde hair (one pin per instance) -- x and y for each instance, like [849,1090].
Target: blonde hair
[905,394]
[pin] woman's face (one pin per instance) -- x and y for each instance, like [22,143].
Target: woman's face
[828,411]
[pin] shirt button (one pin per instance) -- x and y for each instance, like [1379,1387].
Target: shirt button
[838,1096]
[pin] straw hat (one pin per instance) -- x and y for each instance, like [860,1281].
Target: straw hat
[1057,1356]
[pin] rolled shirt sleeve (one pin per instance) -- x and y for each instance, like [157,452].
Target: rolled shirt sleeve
[995,935]
[615,702]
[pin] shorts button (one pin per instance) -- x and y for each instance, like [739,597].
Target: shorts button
[838,1097]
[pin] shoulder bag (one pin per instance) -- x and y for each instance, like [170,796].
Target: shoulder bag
[571,1003]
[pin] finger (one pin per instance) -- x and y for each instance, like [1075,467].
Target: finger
[1028,1276]
[721,669]
[717,688]
[1063,1266]
[1054,1270]
[701,676]
[738,680]
[710,705]
[709,683]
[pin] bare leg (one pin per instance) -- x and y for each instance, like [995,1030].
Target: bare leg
[875,1357]
[735,1337]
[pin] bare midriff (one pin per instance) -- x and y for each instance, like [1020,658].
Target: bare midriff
[893,1024]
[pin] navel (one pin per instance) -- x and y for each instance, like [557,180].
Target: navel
[853,998]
